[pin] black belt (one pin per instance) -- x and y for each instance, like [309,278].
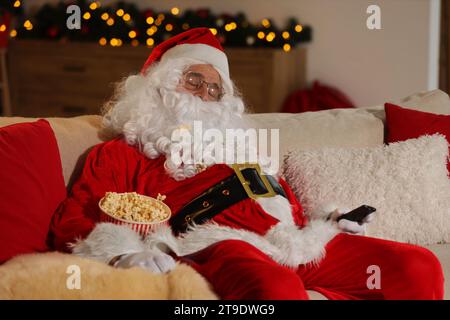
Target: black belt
[246,182]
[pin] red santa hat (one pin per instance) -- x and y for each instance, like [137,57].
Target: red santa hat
[199,44]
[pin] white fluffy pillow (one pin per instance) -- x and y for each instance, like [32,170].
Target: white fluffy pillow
[406,181]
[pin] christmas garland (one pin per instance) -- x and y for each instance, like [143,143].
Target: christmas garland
[123,23]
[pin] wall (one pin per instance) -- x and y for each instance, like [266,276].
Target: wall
[370,66]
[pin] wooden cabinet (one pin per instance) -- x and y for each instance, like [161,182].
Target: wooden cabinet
[266,77]
[68,79]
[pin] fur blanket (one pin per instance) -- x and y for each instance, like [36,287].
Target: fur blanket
[51,276]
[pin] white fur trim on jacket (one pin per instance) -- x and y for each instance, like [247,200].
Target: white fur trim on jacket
[278,207]
[300,246]
[285,243]
[108,240]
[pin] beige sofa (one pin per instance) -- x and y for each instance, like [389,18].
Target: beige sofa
[335,128]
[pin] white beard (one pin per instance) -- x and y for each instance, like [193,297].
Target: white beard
[148,109]
[153,130]
[185,109]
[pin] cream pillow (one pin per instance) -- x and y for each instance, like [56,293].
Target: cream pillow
[434,101]
[406,181]
[330,128]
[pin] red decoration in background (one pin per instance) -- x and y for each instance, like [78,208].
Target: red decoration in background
[52,32]
[5,20]
[84,29]
[203,13]
[221,39]
[148,13]
[319,97]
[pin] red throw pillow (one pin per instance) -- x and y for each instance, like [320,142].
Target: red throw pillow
[31,187]
[403,124]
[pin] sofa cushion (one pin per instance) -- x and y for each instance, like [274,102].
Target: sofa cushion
[333,128]
[328,128]
[31,187]
[75,136]
[405,181]
[435,101]
[403,124]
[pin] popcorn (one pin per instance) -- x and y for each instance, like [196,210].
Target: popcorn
[134,207]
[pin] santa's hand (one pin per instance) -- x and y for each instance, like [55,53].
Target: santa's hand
[349,226]
[152,260]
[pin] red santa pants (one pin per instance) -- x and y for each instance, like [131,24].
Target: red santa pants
[355,267]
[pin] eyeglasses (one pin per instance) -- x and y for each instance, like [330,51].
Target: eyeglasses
[194,81]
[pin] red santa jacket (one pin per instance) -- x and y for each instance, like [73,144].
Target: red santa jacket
[117,167]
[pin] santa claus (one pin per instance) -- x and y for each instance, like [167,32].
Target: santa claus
[248,244]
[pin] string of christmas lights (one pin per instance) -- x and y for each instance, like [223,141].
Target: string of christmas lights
[123,23]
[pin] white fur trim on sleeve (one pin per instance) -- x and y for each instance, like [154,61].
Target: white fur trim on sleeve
[108,240]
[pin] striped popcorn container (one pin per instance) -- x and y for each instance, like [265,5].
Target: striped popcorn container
[143,228]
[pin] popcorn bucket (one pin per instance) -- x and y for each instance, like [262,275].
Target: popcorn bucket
[142,228]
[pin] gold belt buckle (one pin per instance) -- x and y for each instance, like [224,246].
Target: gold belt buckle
[238,167]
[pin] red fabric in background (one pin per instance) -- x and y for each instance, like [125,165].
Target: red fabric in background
[403,124]
[319,97]
[31,187]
